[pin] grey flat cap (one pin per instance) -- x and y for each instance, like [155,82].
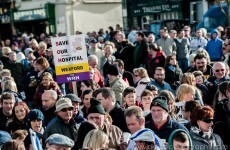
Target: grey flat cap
[60,140]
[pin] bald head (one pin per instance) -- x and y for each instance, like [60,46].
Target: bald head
[219,70]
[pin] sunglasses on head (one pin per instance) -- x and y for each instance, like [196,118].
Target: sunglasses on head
[218,70]
[65,109]
[207,120]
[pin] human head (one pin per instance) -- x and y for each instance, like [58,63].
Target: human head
[42,63]
[86,97]
[59,141]
[96,112]
[4,137]
[198,33]
[139,36]
[134,119]
[49,98]
[199,77]
[93,142]
[173,34]
[219,70]
[188,78]
[46,79]
[113,72]
[191,60]
[187,31]
[93,61]
[201,62]
[12,56]
[75,102]
[151,38]
[5,72]
[170,100]
[108,50]
[185,92]
[188,108]
[144,139]
[120,64]
[159,110]
[153,47]
[64,109]
[13,145]
[202,118]
[159,75]
[106,96]
[34,120]
[139,73]
[7,102]
[171,60]
[180,140]
[19,135]
[20,111]
[129,96]
[146,99]
[164,32]
[153,89]
[42,46]
[87,85]
[9,85]
[6,51]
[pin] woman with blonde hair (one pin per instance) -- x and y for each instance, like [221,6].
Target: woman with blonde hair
[93,142]
[11,87]
[141,79]
[189,78]
[185,92]
[34,44]
[42,46]
[47,83]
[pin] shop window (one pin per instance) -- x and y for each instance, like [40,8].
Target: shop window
[145,22]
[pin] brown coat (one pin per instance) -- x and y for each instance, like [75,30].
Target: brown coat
[114,134]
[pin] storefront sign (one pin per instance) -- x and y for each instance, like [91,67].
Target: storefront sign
[34,14]
[147,10]
[70,58]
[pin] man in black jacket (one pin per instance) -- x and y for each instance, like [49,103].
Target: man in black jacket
[107,98]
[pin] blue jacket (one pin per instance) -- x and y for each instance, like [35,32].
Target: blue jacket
[214,47]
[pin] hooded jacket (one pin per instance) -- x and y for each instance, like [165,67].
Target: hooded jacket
[170,140]
[214,47]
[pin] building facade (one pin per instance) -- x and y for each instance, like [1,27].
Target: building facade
[54,16]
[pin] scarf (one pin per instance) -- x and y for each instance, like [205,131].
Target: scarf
[206,135]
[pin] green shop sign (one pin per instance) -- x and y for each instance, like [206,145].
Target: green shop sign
[27,15]
[148,10]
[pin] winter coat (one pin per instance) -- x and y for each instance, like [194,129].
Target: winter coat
[153,63]
[58,126]
[118,86]
[222,121]
[172,77]
[201,143]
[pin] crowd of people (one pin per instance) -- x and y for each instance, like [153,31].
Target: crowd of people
[169,92]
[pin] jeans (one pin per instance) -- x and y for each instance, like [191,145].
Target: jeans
[183,64]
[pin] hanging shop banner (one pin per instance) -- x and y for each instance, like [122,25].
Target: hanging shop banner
[70,58]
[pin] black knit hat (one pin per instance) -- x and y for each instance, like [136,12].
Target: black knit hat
[113,70]
[96,107]
[160,101]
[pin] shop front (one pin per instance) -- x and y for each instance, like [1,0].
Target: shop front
[143,14]
[37,21]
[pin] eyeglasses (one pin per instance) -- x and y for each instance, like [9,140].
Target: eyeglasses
[207,120]
[67,109]
[172,58]
[218,70]
[95,117]
[136,75]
